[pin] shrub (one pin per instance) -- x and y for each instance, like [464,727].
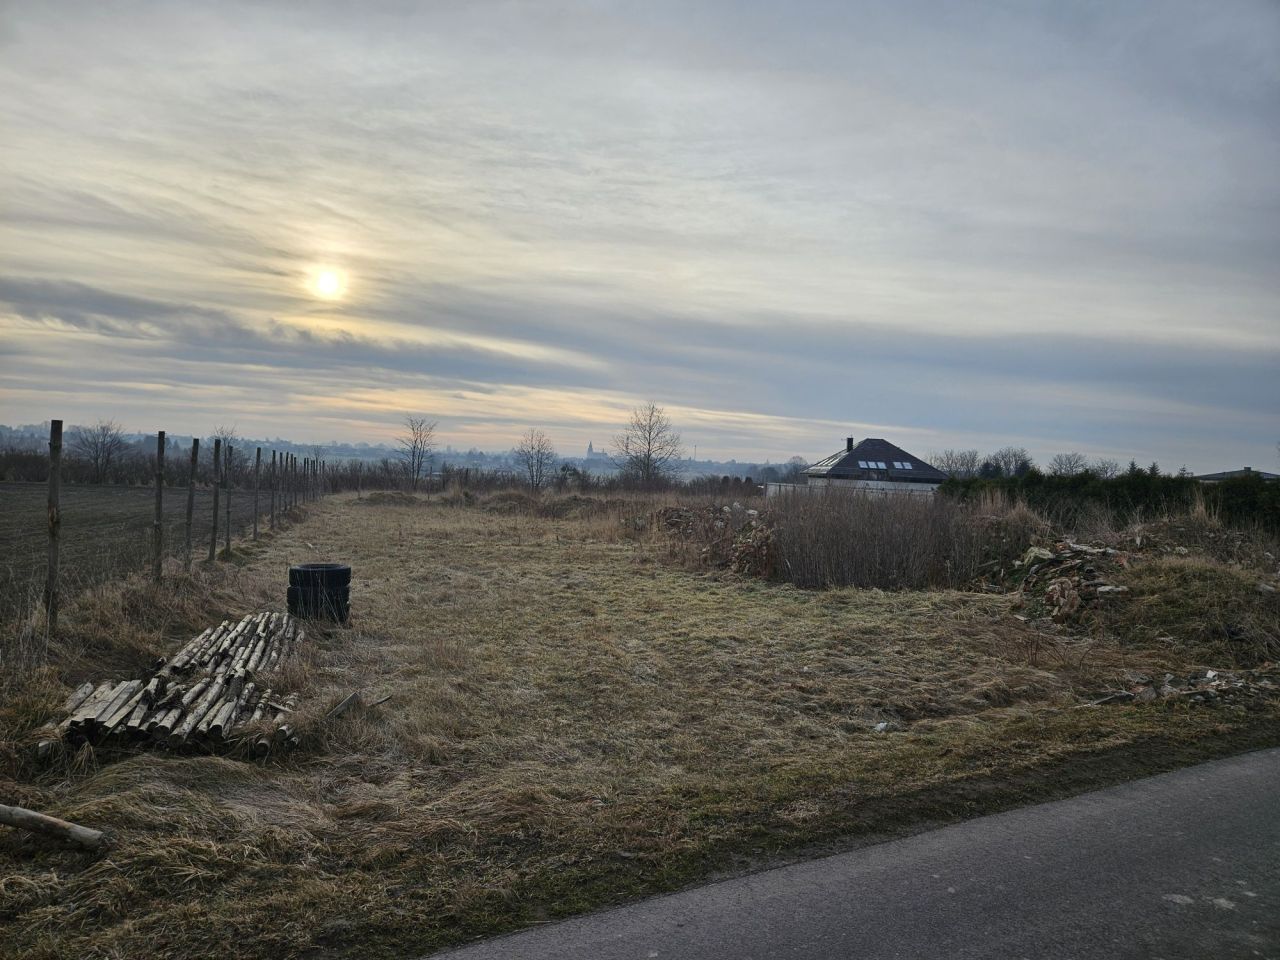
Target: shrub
[853,538]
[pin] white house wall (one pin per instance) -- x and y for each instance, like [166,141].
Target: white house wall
[821,484]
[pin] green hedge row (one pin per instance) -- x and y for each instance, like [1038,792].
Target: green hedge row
[1246,501]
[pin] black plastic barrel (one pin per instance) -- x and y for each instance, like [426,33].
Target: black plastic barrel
[320,590]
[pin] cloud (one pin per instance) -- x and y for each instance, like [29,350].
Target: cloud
[1048,224]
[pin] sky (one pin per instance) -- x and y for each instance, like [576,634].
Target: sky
[1053,225]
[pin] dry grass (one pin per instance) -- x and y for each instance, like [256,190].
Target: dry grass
[573,721]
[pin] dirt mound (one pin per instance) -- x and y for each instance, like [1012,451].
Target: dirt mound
[1217,612]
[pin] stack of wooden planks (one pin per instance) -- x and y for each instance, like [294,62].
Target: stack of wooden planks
[214,692]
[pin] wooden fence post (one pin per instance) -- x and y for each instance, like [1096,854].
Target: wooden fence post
[227,467]
[257,477]
[217,477]
[273,489]
[55,527]
[191,494]
[158,559]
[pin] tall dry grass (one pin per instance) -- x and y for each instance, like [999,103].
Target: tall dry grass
[854,538]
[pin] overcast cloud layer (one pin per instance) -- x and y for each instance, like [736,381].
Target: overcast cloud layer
[1055,225]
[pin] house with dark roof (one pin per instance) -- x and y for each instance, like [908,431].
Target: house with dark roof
[873,464]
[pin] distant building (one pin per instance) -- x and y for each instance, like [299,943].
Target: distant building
[594,454]
[874,465]
[1237,474]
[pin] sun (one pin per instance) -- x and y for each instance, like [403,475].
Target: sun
[328,284]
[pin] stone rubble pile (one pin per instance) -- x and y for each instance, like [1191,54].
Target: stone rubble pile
[1244,687]
[1068,577]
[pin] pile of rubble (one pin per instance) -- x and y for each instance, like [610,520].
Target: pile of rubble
[1212,686]
[730,536]
[754,552]
[1068,578]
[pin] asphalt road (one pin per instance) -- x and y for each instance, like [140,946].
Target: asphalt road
[1183,865]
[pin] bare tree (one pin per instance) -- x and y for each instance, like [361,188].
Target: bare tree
[232,456]
[101,445]
[646,450]
[1011,461]
[536,457]
[1068,464]
[416,446]
[957,463]
[1104,468]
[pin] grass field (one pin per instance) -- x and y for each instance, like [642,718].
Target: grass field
[575,718]
[106,530]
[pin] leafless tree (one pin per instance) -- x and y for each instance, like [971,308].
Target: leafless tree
[1011,461]
[536,457]
[101,445]
[1104,468]
[232,455]
[416,446]
[646,450]
[1068,464]
[957,463]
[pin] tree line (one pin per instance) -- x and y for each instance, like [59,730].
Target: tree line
[646,453]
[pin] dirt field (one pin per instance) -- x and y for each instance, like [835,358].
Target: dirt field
[575,719]
[105,530]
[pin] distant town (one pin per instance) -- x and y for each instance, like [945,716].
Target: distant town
[596,458]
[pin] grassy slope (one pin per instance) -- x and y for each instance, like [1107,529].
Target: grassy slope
[574,721]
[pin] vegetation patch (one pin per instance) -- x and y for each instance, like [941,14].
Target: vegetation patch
[573,720]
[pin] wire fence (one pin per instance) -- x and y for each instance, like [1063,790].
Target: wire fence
[57,539]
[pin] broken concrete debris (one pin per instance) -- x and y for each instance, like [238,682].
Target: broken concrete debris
[1209,686]
[1068,577]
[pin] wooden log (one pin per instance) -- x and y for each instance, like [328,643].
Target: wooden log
[91,705]
[25,819]
[226,650]
[197,711]
[180,659]
[248,702]
[228,715]
[164,725]
[161,725]
[112,720]
[163,707]
[261,706]
[349,701]
[55,528]
[122,696]
[133,722]
[230,694]
[282,731]
[79,696]
[191,659]
[52,730]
